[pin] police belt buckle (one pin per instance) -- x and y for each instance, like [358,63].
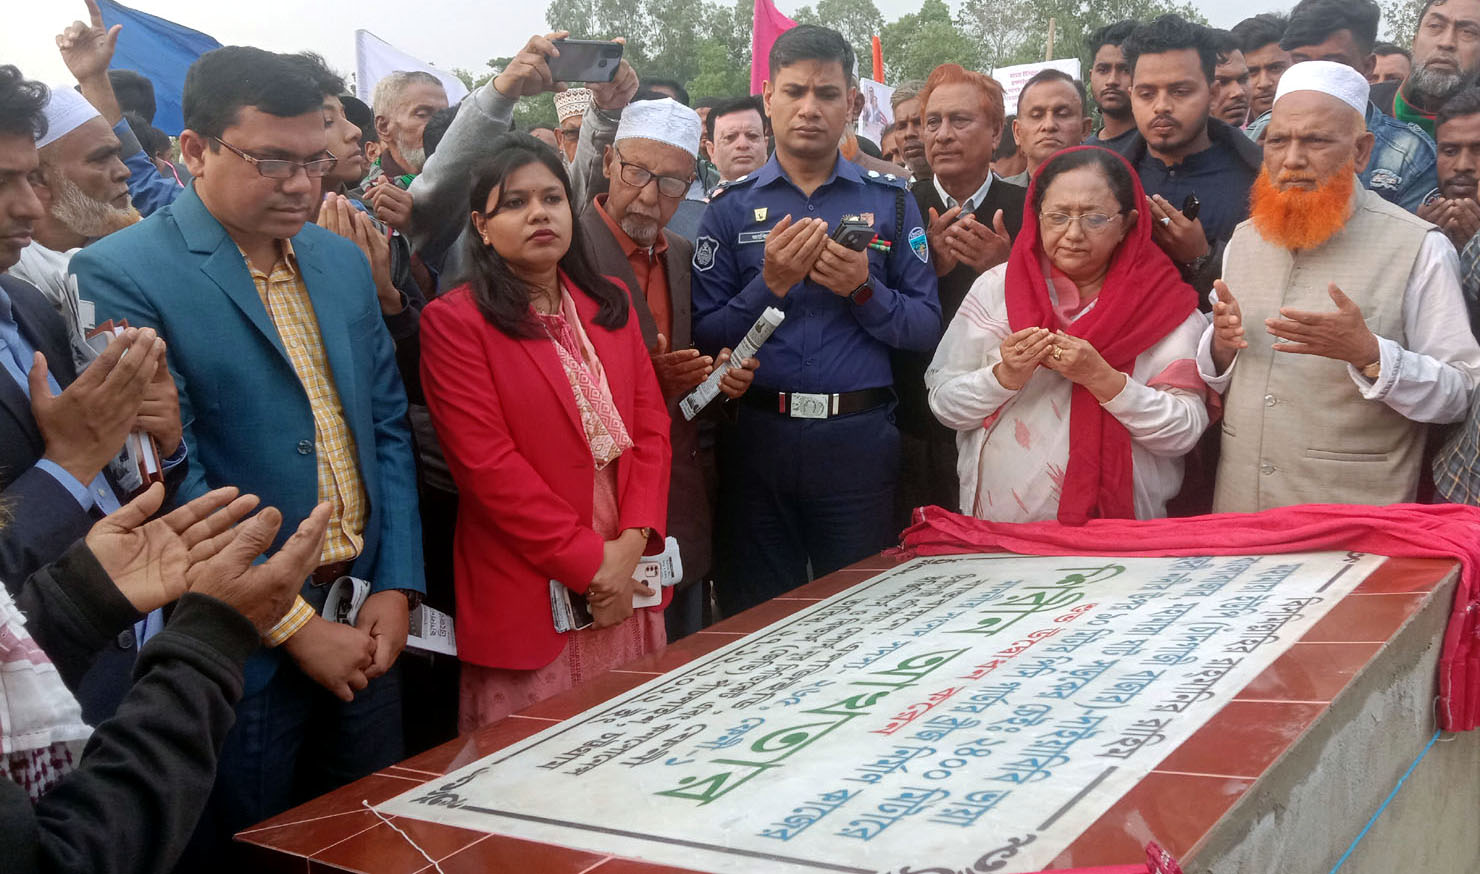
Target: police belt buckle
[810,406]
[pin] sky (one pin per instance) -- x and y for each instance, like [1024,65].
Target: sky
[447,33]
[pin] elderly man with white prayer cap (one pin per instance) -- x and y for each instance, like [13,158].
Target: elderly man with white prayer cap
[1339,329]
[84,190]
[570,112]
[649,167]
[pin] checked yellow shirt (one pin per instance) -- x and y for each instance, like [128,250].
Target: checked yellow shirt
[291,311]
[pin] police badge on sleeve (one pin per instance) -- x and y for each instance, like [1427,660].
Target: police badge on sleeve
[705,249]
[919,245]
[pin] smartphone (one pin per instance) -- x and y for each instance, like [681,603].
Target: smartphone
[585,60]
[853,233]
[1191,207]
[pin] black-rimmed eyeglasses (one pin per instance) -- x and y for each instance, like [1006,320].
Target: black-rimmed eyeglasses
[639,176]
[280,168]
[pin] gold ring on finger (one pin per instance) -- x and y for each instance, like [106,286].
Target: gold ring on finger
[1058,353]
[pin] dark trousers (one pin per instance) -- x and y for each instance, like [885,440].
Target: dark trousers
[430,682]
[800,495]
[292,742]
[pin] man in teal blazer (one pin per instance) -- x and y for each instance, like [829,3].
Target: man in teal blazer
[329,712]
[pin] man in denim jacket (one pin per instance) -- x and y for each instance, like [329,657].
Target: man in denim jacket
[1402,167]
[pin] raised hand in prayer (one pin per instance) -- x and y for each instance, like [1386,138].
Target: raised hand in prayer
[1022,353]
[839,269]
[1228,327]
[935,234]
[338,215]
[85,425]
[680,370]
[528,73]
[616,94]
[1078,361]
[1461,221]
[791,251]
[148,560]
[1341,336]
[1184,241]
[977,246]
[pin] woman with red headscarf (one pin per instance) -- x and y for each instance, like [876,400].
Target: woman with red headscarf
[1069,372]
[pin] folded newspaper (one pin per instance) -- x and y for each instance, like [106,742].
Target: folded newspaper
[656,571]
[430,630]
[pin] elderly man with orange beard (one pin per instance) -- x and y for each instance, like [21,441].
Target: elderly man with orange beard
[1364,339]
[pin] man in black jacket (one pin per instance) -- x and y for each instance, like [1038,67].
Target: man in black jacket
[132,800]
[1181,153]
[973,216]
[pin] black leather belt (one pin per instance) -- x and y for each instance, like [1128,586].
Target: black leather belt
[802,405]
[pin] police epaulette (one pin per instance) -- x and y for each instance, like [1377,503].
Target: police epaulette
[889,179]
[726,186]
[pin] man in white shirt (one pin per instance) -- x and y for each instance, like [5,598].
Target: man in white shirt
[1328,405]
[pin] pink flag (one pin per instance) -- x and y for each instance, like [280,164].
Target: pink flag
[767,25]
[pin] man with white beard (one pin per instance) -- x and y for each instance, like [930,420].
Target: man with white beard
[84,189]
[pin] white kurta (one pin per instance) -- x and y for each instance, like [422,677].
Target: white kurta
[1429,382]
[1014,445]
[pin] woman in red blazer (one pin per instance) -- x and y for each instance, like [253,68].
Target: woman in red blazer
[556,432]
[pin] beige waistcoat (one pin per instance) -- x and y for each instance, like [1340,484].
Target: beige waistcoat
[1295,428]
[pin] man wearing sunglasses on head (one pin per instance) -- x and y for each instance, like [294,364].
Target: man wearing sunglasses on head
[288,387]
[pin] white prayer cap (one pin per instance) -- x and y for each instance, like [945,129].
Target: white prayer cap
[572,101]
[1327,77]
[666,121]
[66,111]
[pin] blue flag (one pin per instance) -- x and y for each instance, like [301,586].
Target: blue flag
[161,50]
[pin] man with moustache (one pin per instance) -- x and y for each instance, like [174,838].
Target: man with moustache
[1230,81]
[1456,206]
[1181,151]
[1446,60]
[735,133]
[1051,116]
[1110,85]
[809,469]
[906,103]
[1259,39]
[1364,339]
[971,219]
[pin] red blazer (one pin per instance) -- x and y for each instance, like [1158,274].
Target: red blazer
[509,426]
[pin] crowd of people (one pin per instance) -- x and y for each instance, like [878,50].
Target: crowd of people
[1240,270]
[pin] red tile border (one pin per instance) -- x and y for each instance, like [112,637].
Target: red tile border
[383,851]
[374,788]
[1174,810]
[760,616]
[1406,575]
[1310,672]
[1243,739]
[496,854]
[1365,618]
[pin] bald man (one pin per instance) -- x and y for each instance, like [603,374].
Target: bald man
[1330,377]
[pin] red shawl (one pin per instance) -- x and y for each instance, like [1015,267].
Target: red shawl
[1401,531]
[1143,300]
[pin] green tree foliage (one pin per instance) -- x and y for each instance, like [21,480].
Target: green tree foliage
[1400,20]
[1016,31]
[916,43]
[706,43]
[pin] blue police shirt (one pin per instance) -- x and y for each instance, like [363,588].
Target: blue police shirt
[827,343]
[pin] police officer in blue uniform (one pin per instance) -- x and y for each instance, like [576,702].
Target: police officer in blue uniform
[810,465]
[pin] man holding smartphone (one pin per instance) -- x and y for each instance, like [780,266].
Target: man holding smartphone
[809,469]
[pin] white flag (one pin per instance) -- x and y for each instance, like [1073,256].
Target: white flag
[375,59]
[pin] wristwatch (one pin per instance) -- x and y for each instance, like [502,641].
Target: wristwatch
[863,293]
[1373,370]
